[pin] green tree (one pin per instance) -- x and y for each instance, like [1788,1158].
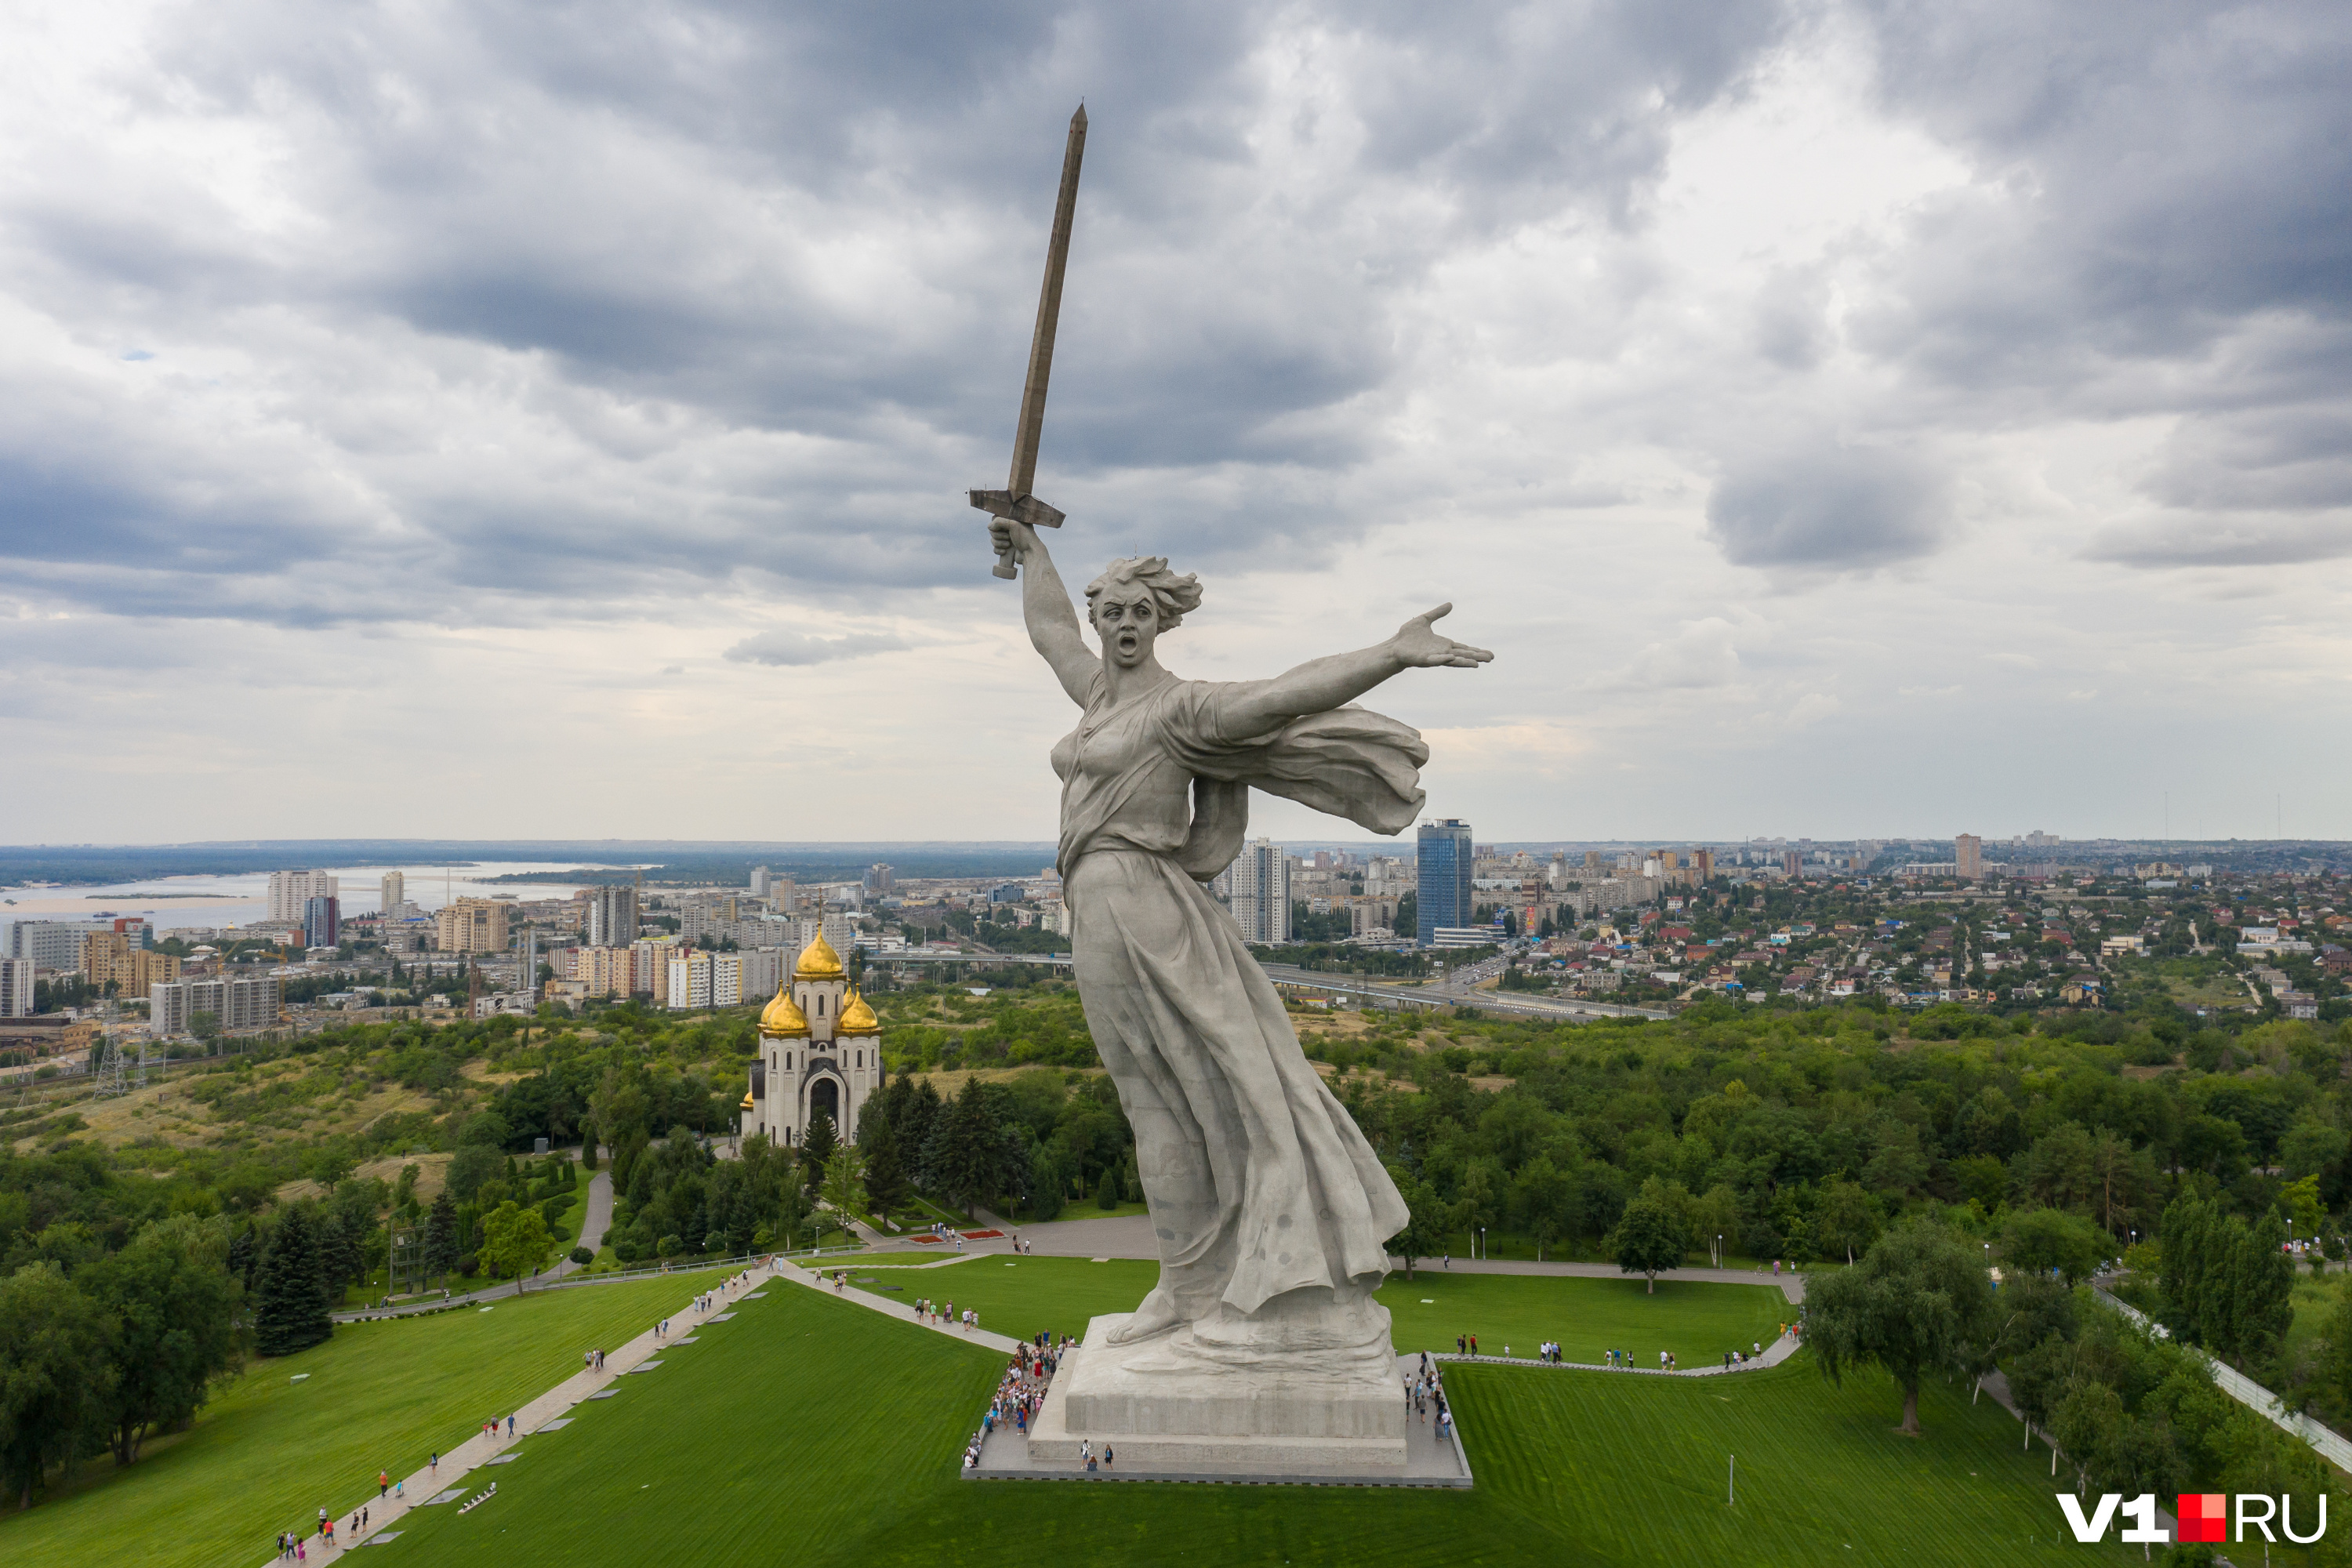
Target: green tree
[515,1241]
[1648,1237]
[1845,1220]
[205,1024]
[792,1213]
[1915,1302]
[470,1167]
[53,1376]
[169,1307]
[441,1236]
[886,1174]
[1426,1224]
[844,1183]
[1544,1197]
[289,1308]
[965,1149]
[1106,1191]
[2040,1240]
[816,1148]
[2261,1290]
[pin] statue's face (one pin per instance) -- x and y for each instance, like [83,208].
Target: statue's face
[1127,622]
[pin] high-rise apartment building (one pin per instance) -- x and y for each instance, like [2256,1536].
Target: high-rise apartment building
[1967,858]
[252,1004]
[52,944]
[612,917]
[1260,879]
[322,922]
[1441,894]
[880,876]
[108,959]
[473,925]
[759,881]
[290,893]
[394,893]
[16,987]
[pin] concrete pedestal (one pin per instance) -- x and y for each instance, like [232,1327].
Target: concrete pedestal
[1292,1417]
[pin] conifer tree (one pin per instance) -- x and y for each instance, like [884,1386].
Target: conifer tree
[886,1173]
[441,1237]
[289,1310]
[816,1148]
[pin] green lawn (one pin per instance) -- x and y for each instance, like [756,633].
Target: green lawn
[1589,1317]
[2316,1300]
[809,1430]
[267,1453]
[1697,1321]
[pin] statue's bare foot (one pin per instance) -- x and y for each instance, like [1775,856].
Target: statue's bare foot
[1158,1314]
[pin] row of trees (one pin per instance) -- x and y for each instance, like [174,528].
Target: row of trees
[127,1343]
[2229,1286]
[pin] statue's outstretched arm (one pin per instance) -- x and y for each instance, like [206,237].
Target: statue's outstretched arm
[1322,684]
[1045,606]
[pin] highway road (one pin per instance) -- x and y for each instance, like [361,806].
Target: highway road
[1389,994]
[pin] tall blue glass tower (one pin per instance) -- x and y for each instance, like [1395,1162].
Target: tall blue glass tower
[1442,897]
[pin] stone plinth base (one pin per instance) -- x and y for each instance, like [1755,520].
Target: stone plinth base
[1284,1415]
[1419,1457]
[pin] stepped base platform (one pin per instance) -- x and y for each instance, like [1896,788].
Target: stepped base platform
[1230,1427]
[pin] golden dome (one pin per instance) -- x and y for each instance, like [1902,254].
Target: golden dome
[784,1019]
[857,1016]
[818,961]
[747,1102]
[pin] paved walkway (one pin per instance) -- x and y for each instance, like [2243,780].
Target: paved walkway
[2329,1443]
[904,1312]
[456,1476]
[1776,1353]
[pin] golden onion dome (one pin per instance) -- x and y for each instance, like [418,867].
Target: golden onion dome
[747,1102]
[784,1019]
[818,961]
[857,1016]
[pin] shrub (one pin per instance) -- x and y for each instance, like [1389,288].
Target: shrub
[671,1245]
[583,1257]
[468,1265]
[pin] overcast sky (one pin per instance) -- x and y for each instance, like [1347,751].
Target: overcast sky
[490,419]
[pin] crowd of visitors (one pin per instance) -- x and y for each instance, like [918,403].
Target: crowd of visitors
[1425,1395]
[1020,1393]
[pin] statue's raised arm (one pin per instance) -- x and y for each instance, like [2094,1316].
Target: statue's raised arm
[1045,606]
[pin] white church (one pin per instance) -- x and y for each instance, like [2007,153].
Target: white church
[820,1050]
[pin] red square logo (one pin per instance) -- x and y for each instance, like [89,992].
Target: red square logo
[2204,1516]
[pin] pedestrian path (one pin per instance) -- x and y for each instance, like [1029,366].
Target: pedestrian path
[898,1310]
[447,1482]
[1776,1353]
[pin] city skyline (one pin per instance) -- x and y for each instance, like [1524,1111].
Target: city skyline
[1822,436]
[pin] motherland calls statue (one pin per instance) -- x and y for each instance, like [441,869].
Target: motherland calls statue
[1272,1212]
[1261,1346]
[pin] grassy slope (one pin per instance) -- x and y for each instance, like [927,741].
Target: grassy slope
[1697,1322]
[808,1430]
[268,1453]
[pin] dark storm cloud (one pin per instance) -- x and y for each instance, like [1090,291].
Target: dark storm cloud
[684,206]
[1828,508]
[2162,227]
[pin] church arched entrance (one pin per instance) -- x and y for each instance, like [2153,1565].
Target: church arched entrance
[825,1095]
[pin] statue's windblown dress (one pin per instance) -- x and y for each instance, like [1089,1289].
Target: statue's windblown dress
[1259,1180]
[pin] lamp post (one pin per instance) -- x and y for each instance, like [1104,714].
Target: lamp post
[1482,1241]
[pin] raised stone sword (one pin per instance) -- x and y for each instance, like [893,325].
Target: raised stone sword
[1014,501]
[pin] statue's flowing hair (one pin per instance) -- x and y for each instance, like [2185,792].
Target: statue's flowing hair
[1171,596]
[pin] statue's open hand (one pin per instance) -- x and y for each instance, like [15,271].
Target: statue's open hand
[1420,645]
